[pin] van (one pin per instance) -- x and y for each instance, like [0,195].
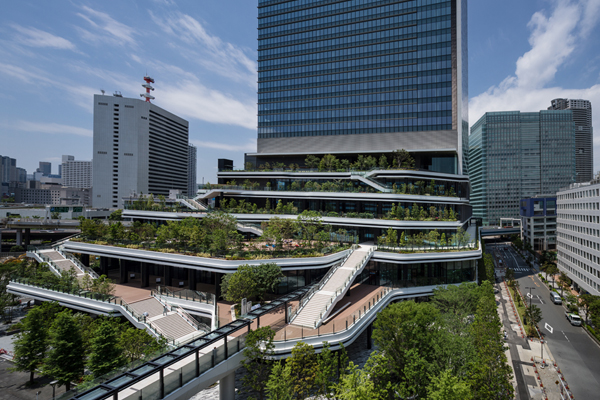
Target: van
[555,298]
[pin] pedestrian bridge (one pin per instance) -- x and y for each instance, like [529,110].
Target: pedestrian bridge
[499,231]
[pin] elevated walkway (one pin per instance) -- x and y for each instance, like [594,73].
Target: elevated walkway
[317,304]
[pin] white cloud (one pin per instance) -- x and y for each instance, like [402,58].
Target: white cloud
[209,51]
[249,146]
[52,128]
[37,38]
[195,101]
[554,38]
[105,28]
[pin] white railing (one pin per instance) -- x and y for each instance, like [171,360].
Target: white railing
[306,298]
[340,289]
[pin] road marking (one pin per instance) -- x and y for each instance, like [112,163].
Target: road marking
[549,328]
[540,299]
[565,336]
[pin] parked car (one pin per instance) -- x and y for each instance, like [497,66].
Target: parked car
[555,297]
[573,319]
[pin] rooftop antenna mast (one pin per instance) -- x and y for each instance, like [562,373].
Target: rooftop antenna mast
[148,88]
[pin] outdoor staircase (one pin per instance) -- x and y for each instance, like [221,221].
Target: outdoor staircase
[172,325]
[192,204]
[318,304]
[363,177]
[61,263]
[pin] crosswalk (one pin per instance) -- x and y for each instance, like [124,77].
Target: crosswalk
[522,269]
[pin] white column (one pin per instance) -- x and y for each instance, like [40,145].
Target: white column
[19,237]
[227,387]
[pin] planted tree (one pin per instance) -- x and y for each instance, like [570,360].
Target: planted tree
[31,343]
[66,354]
[257,360]
[105,352]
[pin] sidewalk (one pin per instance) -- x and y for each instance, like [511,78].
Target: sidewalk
[524,356]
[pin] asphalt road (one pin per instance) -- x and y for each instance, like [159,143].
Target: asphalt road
[577,355]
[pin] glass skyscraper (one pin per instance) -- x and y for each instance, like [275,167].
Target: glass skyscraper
[363,76]
[515,155]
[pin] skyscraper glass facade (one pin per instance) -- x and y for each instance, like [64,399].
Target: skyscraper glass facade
[514,155]
[330,67]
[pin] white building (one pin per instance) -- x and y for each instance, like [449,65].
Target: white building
[76,174]
[578,236]
[138,148]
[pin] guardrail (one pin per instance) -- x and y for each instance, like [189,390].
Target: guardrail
[186,294]
[340,289]
[318,286]
[104,298]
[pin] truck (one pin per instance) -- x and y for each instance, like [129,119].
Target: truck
[573,318]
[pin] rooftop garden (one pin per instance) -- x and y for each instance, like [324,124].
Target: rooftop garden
[217,236]
[400,242]
[398,160]
[397,212]
[418,188]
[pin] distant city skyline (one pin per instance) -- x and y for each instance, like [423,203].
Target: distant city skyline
[521,56]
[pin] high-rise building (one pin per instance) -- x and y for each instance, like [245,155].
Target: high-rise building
[584,135]
[368,77]
[578,234]
[9,170]
[138,148]
[76,174]
[342,84]
[515,155]
[45,168]
[192,185]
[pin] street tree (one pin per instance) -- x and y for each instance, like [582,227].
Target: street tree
[279,385]
[66,354]
[448,387]
[137,343]
[563,281]
[31,343]
[303,367]
[489,373]
[257,360]
[105,352]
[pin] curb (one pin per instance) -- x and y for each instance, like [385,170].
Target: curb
[594,339]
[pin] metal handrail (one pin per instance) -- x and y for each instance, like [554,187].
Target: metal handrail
[348,281]
[304,300]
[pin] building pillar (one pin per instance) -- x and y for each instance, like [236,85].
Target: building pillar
[168,275]
[0,240]
[104,266]
[227,387]
[27,236]
[85,259]
[369,333]
[19,237]
[145,275]
[123,271]
[192,279]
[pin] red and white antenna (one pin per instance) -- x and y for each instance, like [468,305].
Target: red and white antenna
[148,87]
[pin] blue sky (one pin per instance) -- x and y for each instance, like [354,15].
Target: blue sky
[54,55]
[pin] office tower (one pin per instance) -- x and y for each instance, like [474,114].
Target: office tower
[192,185]
[45,168]
[584,135]
[138,148]
[515,155]
[369,77]
[578,236]
[342,85]
[9,170]
[76,174]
